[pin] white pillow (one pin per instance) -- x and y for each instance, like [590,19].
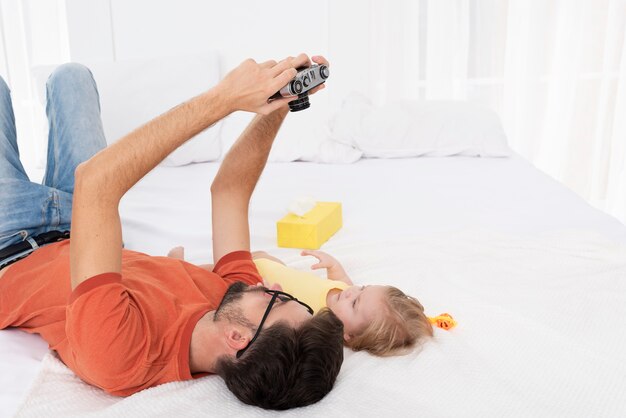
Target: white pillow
[134,92]
[303,136]
[412,129]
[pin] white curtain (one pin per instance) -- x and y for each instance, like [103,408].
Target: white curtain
[32,32]
[555,71]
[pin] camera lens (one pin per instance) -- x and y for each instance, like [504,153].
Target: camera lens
[301,103]
[324,72]
[296,86]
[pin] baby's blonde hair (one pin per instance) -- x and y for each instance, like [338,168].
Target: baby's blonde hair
[398,330]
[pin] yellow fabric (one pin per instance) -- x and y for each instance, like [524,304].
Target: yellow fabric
[311,230]
[304,285]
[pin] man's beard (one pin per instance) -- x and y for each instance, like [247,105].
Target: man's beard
[228,308]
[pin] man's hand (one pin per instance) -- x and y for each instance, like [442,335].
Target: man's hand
[318,59]
[248,86]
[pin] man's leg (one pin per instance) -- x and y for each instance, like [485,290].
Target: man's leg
[12,172]
[22,203]
[76,132]
[26,208]
[11,166]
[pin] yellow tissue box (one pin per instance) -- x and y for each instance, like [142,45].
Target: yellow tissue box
[311,230]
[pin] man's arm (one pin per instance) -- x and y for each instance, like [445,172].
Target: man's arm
[235,181]
[101,182]
[239,173]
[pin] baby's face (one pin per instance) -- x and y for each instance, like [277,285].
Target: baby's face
[357,306]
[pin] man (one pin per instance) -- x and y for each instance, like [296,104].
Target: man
[125,321]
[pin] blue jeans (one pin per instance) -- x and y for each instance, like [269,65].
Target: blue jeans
[75,134]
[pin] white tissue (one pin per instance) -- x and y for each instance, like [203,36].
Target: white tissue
[301,206]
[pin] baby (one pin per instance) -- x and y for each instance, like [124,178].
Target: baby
[379,319]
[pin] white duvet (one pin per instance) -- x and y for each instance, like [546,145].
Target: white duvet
[540,334]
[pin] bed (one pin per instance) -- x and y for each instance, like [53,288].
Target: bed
[532,273]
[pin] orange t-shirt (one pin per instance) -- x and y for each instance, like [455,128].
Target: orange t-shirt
[121,332]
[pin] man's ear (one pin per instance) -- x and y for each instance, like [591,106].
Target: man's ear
[237,338]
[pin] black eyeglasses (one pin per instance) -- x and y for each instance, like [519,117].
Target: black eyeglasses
[283,297]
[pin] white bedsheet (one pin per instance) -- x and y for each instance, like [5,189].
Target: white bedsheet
[496,362]
[381,198]
[538,336]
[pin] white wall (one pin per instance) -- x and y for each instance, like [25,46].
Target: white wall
[238,29]
[45,32]
[89,27]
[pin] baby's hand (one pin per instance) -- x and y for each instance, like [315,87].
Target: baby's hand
[177,252]
[334,270]
[326,261]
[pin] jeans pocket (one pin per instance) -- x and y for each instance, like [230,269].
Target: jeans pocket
[23,233]
[9,239]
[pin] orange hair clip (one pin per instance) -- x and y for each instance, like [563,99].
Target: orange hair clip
[443,321]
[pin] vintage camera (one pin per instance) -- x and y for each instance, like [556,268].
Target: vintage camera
[306,79]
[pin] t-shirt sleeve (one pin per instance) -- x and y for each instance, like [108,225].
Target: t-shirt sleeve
[107,333]
[238,267]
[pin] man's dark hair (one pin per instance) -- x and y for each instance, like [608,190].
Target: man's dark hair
[287,367]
